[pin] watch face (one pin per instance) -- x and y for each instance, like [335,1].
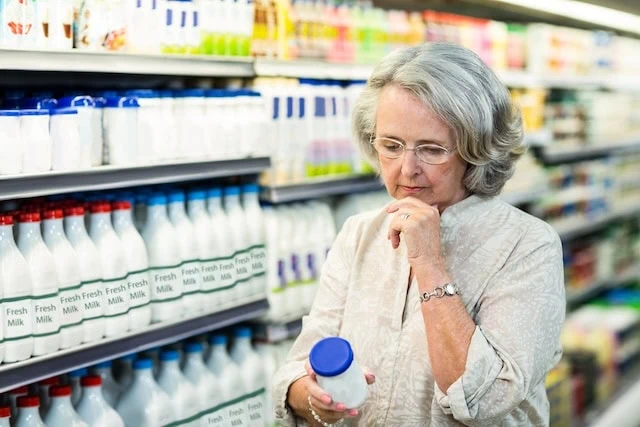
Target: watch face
[450,289]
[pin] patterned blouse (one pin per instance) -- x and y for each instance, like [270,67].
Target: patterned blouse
[508,267]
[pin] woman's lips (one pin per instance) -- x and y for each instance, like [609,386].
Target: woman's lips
[411,189]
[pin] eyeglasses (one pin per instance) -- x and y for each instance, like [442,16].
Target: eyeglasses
[428,153]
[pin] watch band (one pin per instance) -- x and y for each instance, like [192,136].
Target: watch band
[447,290]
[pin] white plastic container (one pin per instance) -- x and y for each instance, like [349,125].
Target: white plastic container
[67,147]
[164,260]
[151,136]
[36,140]
[252,374]
[43,392]
[68,273]
[138,280]
[191,271]
[46,302]
[90,269]
[5,416]
[276,282]
[238,231]
[61,412]
[223,246]
[93,409]
[169,125]
[120,121]
[12,149]
[17,287]
[192,119]
[269,362]
[13,399]
[186,403]
[338,372]
[257,250]
[229,378]
[97,138]
[85,107]
[111,390]
[74,379]
[144,403]
[287,273]
[205,382]
[114,270]
[212,293]
[28,412]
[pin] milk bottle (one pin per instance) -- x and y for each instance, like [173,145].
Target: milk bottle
[75,378]
[110,389]
[28,414]
[17,308]
[93,409]
[229,378]
[68,273]
[144,403]
[266,352]
[276,277]
[46,303]
[286,261]
[252,374]
[124,371]
[255,227]
[237,230]
[43,393]
[13,399]
[224,247]
[304,264]
[186,403]
[90,269]
[164,260]
[191,271]
[61,412]
[138,280]
[205,382]
[114,270]
[5,416]
[212,290]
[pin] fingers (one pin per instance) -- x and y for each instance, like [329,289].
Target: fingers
[396,227]
[369,376]
[407,202]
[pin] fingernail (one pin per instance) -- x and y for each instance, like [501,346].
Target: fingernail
[353,412]
[326,399]
[341,407]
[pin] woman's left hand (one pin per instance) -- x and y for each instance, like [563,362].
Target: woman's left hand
[420,225]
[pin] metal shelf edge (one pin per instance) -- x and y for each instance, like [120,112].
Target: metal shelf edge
[317,189]
[303,68]
[38,368]
[106,177]
[585,226]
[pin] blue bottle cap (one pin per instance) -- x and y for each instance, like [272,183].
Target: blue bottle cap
[75,101]
[157,199]
[176,196]
[144,363]
[142,93]
[63,111]
[103,365]
[231,191]
[196,195]
[121,102]
[9,113]
[218,340]
[34,112]
[331,356]
[250,188]
[131,357]
[79,373]
[193,347]
[168,355]
[214,192]
[39,103]
[243,332]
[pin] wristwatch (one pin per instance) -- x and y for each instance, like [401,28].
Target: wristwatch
[447,290]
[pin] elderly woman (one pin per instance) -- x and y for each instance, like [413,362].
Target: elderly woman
[451,297]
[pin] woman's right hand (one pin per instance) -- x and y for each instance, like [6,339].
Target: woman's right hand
[306,390]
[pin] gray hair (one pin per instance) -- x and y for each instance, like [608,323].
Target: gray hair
[466,95]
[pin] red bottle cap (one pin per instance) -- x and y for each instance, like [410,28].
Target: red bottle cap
[30,217]
[60,390]
[50,381]
[121,205]
[74,211]
[6,220]
[5,411]
[52,214]
[28,401]
[91,380]
[100,207]
[20,390]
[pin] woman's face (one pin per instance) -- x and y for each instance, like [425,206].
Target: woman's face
[403,117]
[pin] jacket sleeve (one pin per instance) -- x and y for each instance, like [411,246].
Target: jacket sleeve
[517,336]
[325,319]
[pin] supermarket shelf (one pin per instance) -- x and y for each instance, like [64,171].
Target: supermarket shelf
[275,331]
[558,155]
[124,63]
[111,177]
[317,188]
[302,68]
[37,368]
[583,226]
[578,298]
[525,196]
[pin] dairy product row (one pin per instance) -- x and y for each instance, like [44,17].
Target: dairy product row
[196,252]
[310,133]
[193,383]
[221,27]
[138,127]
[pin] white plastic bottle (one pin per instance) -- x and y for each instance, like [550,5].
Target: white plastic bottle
[270,365]
[110,388]
[5,416]
[68,273]
[46,303]
[28,412]
[186,403]
[13,399]
[61,412]
[17,307]
[276,280]
[124,371]
[224,248]
[75,378]
[90,269]
[164,260]
[228,375]
[144,403]
[238,231]
[138,280]
[205,382]
[212,284]
[288,276]
[43,393]
[255,226]
[114,270]
[93,409]
[191,271]
[252,374]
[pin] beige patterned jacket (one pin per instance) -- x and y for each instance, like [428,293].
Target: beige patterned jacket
[508,267]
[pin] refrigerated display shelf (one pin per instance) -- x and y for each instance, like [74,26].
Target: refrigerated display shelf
[522,197]
[571,229]
[112,177]
[278,330]
[577,298]
[80,61]
[552,156]
[37,368]
[303,68]
[320,187]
